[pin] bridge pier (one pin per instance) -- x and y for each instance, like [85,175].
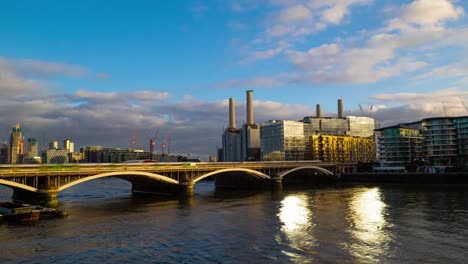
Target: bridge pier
[186,189]
[43,197]
[276,183]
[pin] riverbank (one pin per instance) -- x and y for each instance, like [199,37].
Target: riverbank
[406,178]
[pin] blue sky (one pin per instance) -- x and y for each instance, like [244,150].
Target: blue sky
[95,70]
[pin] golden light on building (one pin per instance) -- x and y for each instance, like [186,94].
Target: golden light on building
[330,148]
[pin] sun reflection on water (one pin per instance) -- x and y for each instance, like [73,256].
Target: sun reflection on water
[297,227]
[368,226]
[294,214]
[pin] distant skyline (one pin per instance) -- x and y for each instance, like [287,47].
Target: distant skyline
[93,71]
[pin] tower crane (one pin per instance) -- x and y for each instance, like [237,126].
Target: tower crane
[163,143]
[135,141]
[152,140]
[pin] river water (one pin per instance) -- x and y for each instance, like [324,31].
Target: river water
[339,224]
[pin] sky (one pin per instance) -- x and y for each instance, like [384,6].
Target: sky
[97,71]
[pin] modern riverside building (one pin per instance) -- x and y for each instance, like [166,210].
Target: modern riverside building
[53,144]
[330,148]
[55,156]
[90,153]
[98,154]
[33,147]
[400,144]
[282,140]
[461,124]
[68,145]
[16,145]
[446,141]
[357,126]
[441,142]
[3,153]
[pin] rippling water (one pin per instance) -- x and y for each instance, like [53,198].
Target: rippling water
[340,224]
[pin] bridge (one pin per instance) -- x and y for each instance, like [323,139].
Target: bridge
[42,182]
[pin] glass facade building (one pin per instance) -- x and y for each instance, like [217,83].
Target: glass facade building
[439,141]
[357,126]
[446,140]
[282,140]
[399,145]
[16,145]
[461,124]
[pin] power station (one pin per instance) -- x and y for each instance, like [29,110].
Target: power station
[297,139]
[241,144]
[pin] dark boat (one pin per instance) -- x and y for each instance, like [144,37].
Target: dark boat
[18,213]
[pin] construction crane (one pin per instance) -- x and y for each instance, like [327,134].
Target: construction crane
[135,141]
[163,143]
[152,140]
[363,110]
[464,105]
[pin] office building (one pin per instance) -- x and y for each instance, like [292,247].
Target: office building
[53,144]
[4,153]
[66,144]
[98,154]
[355,126]
[16,145]
[33,148]
[282,140]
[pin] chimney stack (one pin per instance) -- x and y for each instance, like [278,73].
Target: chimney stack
[250,116]
[318,111]
[340,109]
[232,113]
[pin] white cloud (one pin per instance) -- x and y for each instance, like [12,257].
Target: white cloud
[297,13]
[13,84]
[416,106]
[426,13]
[403,44]
[291,21]
[138,95]
[334,11]
[43,69]
[256,82]
[385,53]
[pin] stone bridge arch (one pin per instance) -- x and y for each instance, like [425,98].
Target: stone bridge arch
[15,185]
[253,173]
[122,175]
[328,174]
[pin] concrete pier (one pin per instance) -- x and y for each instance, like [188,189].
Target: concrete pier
[47,198]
